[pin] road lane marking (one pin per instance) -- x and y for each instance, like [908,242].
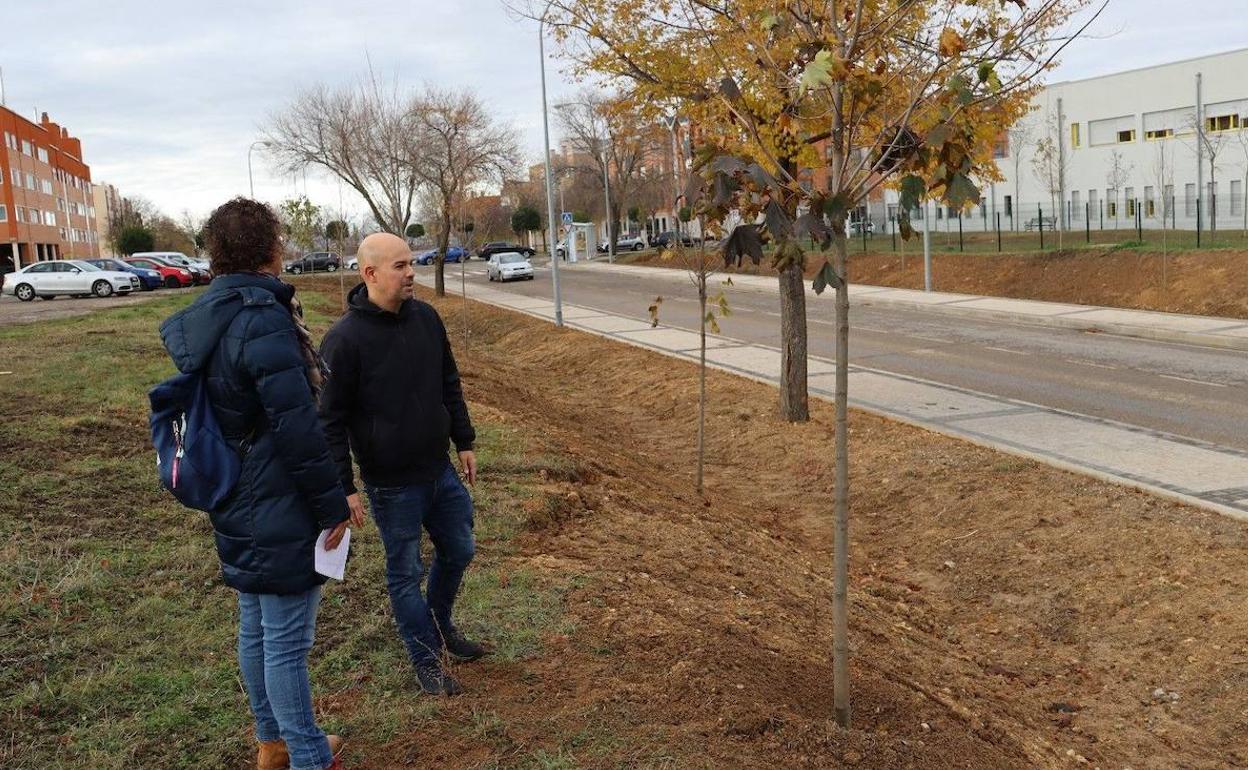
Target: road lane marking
[1195,382]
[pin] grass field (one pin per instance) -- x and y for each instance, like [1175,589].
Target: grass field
[116,635]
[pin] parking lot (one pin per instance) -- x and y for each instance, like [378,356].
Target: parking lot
[14,311]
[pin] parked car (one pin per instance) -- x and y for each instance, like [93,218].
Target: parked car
[68,276]
[663,240]
[174,276]
[353,263]
[858,226]
[624,243]
[497,247]
[149,278]
[200,269]
[453,254]
[509,265]
[1048,223]
[314,262]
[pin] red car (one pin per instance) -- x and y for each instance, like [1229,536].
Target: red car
[175,277]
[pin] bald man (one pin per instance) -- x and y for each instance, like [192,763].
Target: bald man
[393,398]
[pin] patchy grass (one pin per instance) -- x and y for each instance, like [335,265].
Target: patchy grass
[116,635]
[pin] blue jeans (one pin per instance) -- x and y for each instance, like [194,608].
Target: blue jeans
[275,633]
[443,508]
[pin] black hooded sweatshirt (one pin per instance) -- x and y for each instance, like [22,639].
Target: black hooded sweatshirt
[393,395]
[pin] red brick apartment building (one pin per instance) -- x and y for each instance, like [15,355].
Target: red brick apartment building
[46,205]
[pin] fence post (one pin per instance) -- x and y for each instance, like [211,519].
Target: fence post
[1198,219]
[998,232]
[892,227]
[1040,222]
[1101,207]
[1139,222]
[863,224]
[961,245]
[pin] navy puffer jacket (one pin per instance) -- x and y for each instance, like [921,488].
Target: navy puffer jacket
[241,333]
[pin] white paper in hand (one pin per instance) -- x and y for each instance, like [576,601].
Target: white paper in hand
[332,564]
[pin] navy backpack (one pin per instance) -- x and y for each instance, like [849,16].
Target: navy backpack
[194,460]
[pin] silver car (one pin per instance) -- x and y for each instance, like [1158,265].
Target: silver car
[509,265]
[68,276]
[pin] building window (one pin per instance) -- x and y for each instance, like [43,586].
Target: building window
[46,186]
[1237,197]
[25,147]
[30,181]
[1189,200]
[1076,207]
[20,213]
[42,153]
[1074,134]
[1150,205]
[17,177]
[1130,195]
[1222,123]
[4,213]
[1167,200]
[1111,204]
[49,218]
[1126,137]
[1159,133]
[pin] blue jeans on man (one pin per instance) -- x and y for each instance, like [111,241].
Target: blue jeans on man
[275,633]
[443,508]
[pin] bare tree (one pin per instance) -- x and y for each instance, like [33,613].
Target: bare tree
[1019,137]
[1163,180]
[460,146]
[617,140]
[364,135]
[1213,143]
[1242,136]
[1117,176]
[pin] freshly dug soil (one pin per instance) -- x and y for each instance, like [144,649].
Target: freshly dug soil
[1004,614]
[1199,283]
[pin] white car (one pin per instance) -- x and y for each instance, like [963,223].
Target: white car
[508,266]
[353,263]
[66,276]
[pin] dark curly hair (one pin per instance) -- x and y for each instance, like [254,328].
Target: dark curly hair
[242,236]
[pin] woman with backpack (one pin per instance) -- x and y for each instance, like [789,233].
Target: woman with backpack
[246,341]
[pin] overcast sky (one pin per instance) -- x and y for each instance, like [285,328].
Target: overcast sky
[167,96]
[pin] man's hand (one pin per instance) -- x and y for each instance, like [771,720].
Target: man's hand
[357,509]
[336,535]
[468,461]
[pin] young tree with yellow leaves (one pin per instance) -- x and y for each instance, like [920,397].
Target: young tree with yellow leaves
[907,93]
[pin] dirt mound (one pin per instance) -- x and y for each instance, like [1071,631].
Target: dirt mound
[1200,283]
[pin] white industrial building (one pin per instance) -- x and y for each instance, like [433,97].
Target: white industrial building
[1119,147]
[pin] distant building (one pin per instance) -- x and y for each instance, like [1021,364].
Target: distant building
[1124,145]
[107,205]
[47,210]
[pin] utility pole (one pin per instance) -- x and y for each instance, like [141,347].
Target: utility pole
[1200,154]
[606,190]
[550,196]
[1061,166]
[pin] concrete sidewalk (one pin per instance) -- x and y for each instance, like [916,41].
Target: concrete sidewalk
[1208,476]
[1208,331]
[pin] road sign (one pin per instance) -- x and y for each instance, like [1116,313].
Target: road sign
[567,218]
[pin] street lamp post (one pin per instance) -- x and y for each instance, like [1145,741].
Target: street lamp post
[550,196]
[251,184]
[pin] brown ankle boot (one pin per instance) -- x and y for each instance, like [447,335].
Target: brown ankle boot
[273,756]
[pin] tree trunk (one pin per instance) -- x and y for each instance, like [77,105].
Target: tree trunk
[702,376]
[840,556]
[794,405]
[439,259]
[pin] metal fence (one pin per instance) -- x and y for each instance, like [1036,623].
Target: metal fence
[1174,222]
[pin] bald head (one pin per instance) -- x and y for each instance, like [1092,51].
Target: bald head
[386,267]
[382,247]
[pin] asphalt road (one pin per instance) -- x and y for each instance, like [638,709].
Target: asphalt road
[1196,392]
